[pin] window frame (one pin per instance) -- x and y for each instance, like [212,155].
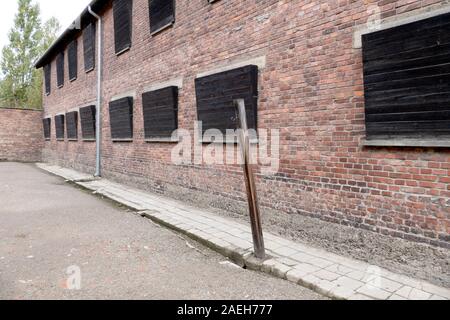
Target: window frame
[60,121]
[164,26]
[47,126]
[251,97]
[92,111]
[48,78]
[148,109]
[128,5]
[69,125]
[116,107]
[72,60]
[390,120]
[60,69]
[89,36]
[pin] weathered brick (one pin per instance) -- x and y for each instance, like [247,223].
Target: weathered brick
[311,89]
[21,135]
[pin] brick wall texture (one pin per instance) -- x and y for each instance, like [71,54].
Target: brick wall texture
[311,89]
[21,135]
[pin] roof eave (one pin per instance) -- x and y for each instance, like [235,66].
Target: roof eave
[96,6]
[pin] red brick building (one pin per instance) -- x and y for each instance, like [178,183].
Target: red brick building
[319,81]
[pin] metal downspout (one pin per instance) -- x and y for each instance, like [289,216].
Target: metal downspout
[98,125]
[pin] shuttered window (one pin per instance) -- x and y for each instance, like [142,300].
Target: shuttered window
[215,95]
[47,78]
[60,69]
[73,60]
[121,119]
[47,128]
[160,110]
[59,126]
[89,47]
[87,119]
[407,80]
[162,14]
[122,11]
[72,125]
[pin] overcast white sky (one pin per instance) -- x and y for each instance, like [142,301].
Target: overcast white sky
[65,10]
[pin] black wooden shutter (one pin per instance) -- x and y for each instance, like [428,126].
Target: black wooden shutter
[121,118]
[87,119]
[47,78]
[73,59]
[407,80]
[122,11]
[60,69]
[160,110]
[72,125]
[89,47]
[162,13]
[59,125]
[215,95]
[47,127]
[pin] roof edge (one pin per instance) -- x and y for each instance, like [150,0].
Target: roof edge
[83,19]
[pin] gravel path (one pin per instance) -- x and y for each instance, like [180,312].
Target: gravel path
[48,226]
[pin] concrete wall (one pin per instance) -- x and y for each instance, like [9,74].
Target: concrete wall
[21,135]
[310,88]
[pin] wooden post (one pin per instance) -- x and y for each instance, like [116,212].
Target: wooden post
[255,217]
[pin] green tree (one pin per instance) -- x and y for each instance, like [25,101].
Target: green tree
[50,32]
[21,86]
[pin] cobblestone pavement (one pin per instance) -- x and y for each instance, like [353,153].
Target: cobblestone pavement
[49,228]
[329,274]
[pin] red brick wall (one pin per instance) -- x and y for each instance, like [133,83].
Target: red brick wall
[21,135]
[311,89]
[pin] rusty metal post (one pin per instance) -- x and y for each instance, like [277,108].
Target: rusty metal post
[255,217]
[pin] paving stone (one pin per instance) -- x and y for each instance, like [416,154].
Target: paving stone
[272,245]
[341,292]
[417,294]
[294,275]
[302,257]
[322,263]
[414,283]
[239,243]
[326,275]
[310,281]
[339,269]
[404,291]
[388,285]
[287,261]
[222,235]
[358,296]
[324,287]
[286,251]
[374,292]
[357,275]
[435,297]
[396,297]
[352,264]
[438,291]
[219,242]
[349,283]
[308,268]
